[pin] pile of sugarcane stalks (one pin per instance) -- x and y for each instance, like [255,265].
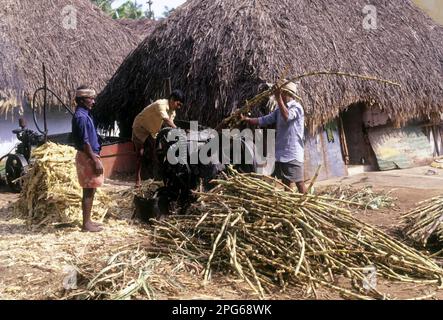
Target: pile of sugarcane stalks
[363,197]
[425,222]
[51,193]
[273,238]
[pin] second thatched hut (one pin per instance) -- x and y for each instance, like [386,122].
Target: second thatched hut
[221,53]
[78,43]
[75,40]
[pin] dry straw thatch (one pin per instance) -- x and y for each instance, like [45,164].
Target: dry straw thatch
[34,32]
[139,27]
[221,52]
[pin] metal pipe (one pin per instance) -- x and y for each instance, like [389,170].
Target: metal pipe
[34,99]
[34,102]
[45,98]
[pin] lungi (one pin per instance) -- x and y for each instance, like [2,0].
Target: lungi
[87,177]
[292,171]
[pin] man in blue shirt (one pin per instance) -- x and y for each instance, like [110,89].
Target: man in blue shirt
[289,143]
[87,160]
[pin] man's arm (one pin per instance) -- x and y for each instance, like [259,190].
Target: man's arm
[161,109]
[83,135]
[251,121]
[282,105]
[263,121]
[170,123]
[98,166]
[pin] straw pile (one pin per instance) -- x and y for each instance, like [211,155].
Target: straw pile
[125,275]
[134,273]
[425,222]
[51,192]
[273,239]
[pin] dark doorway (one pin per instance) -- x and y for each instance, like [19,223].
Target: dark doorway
[358,147]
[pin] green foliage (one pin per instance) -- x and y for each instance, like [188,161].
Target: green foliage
[128,10]
[105,5]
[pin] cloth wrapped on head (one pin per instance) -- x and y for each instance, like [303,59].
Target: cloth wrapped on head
[85,93]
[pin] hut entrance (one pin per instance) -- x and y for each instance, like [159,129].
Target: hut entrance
[357,150]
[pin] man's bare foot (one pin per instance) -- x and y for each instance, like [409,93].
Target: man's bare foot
[91,227]
[97,224]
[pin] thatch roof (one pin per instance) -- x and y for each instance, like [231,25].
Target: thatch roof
[139,27]
[33,32]
[220,52]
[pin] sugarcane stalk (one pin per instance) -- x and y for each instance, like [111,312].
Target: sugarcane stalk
[273,240]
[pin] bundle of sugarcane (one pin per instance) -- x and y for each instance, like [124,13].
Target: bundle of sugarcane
[51,192]
[425,222]
[364,197]
[273,238]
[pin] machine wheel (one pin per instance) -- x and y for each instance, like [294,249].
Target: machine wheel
[16,166]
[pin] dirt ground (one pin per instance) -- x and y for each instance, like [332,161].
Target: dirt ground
[33,262]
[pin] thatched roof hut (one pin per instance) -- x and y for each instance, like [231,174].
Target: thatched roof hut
[220,52]
[139,27]
[77,42]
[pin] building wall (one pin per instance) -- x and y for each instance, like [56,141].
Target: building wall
[439,140]
[435,136]
[328,154]
[354,123]
[400,148]
[318,151]
[433,7]
[58,122]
